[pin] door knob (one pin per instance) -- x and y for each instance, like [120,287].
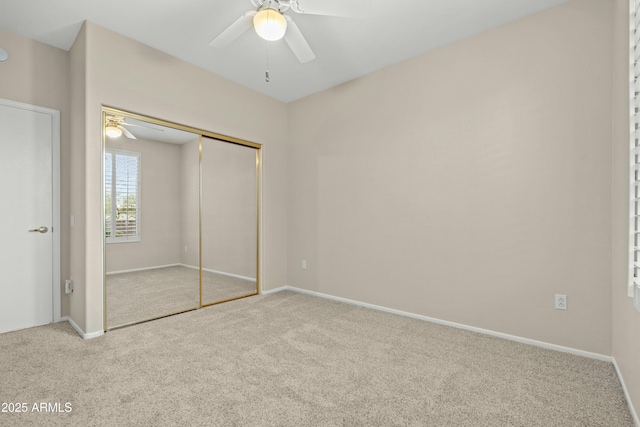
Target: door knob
[42,229]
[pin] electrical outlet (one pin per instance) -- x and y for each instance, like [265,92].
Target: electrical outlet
[68,286]
[304,263]
[561,302]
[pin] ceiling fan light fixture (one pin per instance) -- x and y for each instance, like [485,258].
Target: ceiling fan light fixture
[113,132]
[270,24]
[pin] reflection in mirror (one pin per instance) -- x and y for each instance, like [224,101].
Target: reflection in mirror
[151,185]
[229,221]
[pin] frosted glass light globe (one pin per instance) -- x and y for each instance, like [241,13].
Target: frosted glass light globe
[270,24]
[113,132]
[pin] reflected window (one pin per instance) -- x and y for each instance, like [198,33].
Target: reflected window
[122,196]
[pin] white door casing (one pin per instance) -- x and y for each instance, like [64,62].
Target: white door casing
[29,194]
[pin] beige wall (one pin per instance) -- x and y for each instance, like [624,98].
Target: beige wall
[38,74]
[170,207]
[626,319]
[470,184]
[190,203]
[146,81]
[77,187]
[228,207]
[160,213]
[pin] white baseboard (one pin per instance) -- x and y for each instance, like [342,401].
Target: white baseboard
[634,414]
[249,279]
[141,269]
[79,330]
[237,276]
[452,324]
[273,291]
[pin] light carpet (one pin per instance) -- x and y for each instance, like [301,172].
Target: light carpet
[290,359]
[141,295]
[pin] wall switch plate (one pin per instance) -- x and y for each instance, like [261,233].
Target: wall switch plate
[68,286]
[561,302]
[304,263]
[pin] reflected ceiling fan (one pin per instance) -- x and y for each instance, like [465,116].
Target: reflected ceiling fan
[270,22]
[115,127]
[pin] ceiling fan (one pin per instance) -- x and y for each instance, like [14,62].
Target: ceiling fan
[115,127]
[270,22]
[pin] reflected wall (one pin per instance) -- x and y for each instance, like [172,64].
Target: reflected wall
[229,226]
[149,186]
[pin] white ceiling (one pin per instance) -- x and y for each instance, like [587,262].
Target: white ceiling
[154,132]
[345,48]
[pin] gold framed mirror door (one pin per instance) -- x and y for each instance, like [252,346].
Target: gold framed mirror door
[229,209]
[181,215]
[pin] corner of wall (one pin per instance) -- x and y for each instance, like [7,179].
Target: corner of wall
[77,57]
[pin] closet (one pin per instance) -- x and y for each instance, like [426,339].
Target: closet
[181,215]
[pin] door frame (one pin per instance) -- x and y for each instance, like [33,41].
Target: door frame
[55,195]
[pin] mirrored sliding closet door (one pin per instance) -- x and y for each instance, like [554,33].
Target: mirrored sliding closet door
[168,192]
[229,221]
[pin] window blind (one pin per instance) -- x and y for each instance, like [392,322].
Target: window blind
[122,196]
[634,256]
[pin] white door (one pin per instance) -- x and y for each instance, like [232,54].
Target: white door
[26,200]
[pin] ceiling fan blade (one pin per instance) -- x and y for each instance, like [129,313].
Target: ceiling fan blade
[234,30]
[297,42]
[342,8]
[140,126]
[126,132]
